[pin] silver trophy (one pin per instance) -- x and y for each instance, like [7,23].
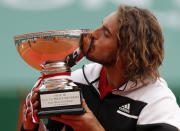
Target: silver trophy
[53,53]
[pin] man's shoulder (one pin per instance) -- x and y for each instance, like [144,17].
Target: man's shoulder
[161,104]
[87,73]
[153,91]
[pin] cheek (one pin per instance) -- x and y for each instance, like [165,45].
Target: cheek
[105,50]
[106,45]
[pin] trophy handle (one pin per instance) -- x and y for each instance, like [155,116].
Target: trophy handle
[73,58]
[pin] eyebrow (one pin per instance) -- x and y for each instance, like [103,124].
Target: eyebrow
[106,28]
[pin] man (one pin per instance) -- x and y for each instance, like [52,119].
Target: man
[124,92]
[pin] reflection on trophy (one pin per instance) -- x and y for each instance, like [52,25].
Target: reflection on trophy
[54,53]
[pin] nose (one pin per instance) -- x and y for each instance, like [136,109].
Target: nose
[95,33]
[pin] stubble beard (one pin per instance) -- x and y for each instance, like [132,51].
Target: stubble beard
[110,60]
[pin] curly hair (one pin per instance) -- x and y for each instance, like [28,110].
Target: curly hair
[141,40]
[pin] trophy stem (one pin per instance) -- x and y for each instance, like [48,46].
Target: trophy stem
[56,76]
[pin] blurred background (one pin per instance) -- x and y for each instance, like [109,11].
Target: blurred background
[27,16]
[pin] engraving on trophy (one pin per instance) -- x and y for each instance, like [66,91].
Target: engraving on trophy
[53,53]
[60,99]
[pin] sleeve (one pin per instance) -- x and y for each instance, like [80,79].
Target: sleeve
[160,115]
[77,76]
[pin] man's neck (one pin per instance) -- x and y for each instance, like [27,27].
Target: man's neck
[115,76]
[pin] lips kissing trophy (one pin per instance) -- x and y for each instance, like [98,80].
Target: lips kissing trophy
[53,53]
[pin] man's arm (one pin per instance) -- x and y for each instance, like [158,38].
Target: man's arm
[86,121]
[29,125]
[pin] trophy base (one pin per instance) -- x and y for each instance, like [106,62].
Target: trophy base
[46,114]
[55,103]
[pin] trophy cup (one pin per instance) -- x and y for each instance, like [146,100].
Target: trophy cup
[53,53]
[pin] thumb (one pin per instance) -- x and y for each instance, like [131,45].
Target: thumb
[85,106]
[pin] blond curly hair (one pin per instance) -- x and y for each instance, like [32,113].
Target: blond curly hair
[140,38]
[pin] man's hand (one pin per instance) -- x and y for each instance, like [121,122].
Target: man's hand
[27,112]
[84,122]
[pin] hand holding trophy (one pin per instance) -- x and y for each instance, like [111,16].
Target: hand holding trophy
[53,53]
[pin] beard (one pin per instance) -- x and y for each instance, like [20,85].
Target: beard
[89,40]
[107,61]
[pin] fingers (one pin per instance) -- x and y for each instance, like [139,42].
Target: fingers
[35,105]
[34,97]
[77,117]
[27,114]
[28,108]
[65,121]
[35,111]
[85,106]
[36,90]
[71,117]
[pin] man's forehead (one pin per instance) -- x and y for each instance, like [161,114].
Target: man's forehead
[111,22]
[112,16]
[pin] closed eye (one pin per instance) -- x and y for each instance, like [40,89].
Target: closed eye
[106,31]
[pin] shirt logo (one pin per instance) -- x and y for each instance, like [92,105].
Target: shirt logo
[125,108]
[125,111]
